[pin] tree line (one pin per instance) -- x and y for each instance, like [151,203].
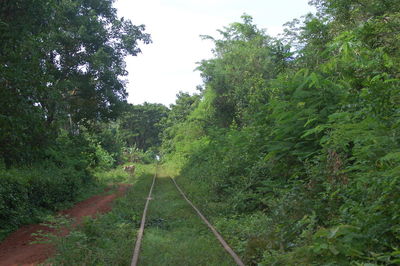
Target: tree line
[293,143]
[291,146]
[63,109]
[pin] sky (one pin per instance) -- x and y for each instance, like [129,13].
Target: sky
[167,66]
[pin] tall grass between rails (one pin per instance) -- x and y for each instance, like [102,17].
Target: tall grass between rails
[174,234]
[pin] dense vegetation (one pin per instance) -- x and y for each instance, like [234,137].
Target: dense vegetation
[110,238]
[293,145]
[61,94]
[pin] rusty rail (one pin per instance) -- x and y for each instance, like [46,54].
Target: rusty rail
[225,245]
[138,243]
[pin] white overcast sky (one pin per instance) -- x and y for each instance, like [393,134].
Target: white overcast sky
[166,66]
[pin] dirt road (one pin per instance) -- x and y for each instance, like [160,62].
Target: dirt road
[16,250]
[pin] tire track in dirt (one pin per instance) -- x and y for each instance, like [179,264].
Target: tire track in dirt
[16,248]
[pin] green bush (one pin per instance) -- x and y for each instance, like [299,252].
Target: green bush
[108,239]
[136,155]
[314,148]
[28,193]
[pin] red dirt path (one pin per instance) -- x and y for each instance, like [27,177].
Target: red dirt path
[16,250]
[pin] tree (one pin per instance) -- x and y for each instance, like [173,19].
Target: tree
[141,125]
[61,63]
[245,60]
[308,144]
[179,113]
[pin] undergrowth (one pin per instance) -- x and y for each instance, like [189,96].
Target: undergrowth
[108,239]
[27,195]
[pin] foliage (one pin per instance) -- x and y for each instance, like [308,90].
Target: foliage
[184,105]
[136,155]
[61,64]
[246,58]
[109,238]
[26,194]
[141,125]
[108,137]
[300,136]
[61,80]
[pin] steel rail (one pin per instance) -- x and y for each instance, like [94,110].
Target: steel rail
[138,243]
[225,245]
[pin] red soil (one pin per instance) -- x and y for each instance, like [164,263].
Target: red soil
[16,248]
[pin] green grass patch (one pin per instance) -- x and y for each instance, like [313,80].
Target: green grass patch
[175,235]
[110,238]
[236,229]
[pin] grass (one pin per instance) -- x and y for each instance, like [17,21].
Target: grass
[108,239]
[175,235]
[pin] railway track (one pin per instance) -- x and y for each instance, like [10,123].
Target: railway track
[137,249]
